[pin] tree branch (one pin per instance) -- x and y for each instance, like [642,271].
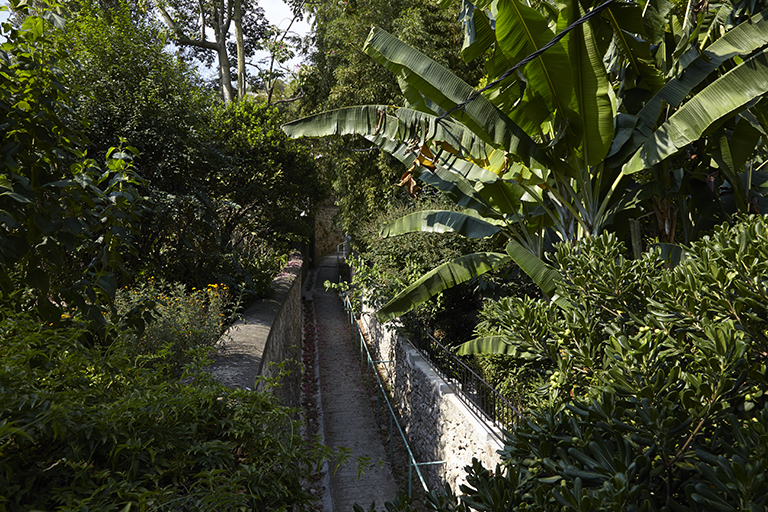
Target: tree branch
[289,100]
[202,19]
[182,38]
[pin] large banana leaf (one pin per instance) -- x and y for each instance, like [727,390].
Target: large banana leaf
[394,124]
[544,275]
[591,89]
[457,188]
[440,221]
[502,345]
[478,35]
[447,91]
[471,186]
[447,275]
[728,94]
[625,20]
[741,40]
[488,345]
[520,31]
[393,129]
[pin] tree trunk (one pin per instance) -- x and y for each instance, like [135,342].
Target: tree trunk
[225,75]
[220,22]
[237,17]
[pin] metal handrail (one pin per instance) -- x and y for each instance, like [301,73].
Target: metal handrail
[490,406]
[365,354]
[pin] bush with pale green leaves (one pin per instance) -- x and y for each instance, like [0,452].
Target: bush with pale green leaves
[181,323]
[655,382]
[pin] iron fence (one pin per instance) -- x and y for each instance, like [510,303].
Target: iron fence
[489,405]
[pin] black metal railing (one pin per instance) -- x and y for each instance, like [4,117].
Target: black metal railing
[490,406]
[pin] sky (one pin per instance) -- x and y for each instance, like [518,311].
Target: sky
[278,13]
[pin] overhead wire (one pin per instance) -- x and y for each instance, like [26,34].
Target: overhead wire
[591,14]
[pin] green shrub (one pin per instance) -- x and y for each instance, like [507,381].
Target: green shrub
[66,222]
[181,322]
[658,388]
[85,430]
[656,394]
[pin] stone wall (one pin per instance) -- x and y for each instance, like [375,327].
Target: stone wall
[439,426]
[327,238]
[283,343]
[268,332]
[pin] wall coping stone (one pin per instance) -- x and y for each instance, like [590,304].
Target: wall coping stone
[240,352]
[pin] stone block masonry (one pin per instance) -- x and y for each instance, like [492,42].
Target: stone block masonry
[268,332]
[439,426]
[327,238]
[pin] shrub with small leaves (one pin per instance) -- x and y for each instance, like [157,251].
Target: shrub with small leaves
[81,429]
[655,391]
[181,323]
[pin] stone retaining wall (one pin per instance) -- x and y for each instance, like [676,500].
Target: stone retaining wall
[268,332]
[439,426]
[327,238]
[283,343]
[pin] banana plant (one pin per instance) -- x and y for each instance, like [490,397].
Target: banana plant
[548,153]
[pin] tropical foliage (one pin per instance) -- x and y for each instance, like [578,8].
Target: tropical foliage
[338,74]
[653,384]
[384,266]
[553,151]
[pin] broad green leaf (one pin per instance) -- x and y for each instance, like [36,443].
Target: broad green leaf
[447,275]
[478,35]
[455,187]
[472,186]
[672,253]
[723,97]
[440,221]
[56,20]
[108,283]
[483,4]
[591,86]
[487,345]
[520,31]
[381,122]
[745,138]
[724,159]
[16,197]
[446,90]
[544,275]
[626,20]
[345,121]
[741,40]
[502,195]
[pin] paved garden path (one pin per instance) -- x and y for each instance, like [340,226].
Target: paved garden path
[348,418]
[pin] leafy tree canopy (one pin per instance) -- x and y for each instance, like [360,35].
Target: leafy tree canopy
[339,74]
